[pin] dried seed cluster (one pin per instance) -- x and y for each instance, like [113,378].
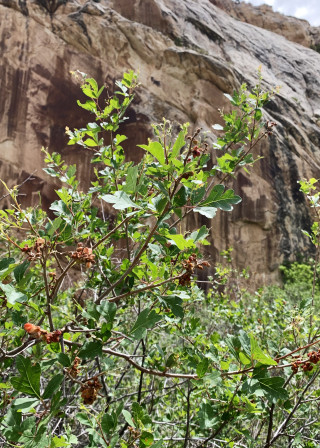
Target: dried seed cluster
[34,252]
[83,255]
[306,366]
[270,125]
[74,369]
[38,333]
[190,265]
[89,390]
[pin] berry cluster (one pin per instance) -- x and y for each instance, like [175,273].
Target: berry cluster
[190,265]
[34,252]
[83,255]
[306,366]
[38,333]
[89,390]
[74,369]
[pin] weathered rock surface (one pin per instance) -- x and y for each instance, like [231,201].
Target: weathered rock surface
[263,16]
[188,53]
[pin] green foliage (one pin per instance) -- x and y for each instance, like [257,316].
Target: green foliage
[107,339]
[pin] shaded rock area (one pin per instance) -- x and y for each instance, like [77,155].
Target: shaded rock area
[188,53]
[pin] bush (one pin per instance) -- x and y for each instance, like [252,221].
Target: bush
[107,338]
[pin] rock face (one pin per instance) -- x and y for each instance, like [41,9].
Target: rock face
[188,54]
[263,16]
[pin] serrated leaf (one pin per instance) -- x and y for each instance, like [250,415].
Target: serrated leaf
[90,350]
[219,198]
[107,310]
[156,149]
[29,381]
[146,319]
[258,355]
[197,194]
[119,200]
[200,234]
[108,423]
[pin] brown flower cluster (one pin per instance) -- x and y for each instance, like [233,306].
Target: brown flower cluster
[89,390]
[306,366]
[38,333]
[190,265]
[270,125]
[197,151]
[34,252]
[83,255]
[74,369]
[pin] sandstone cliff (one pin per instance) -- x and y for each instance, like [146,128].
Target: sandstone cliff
[188,54]
[263,16]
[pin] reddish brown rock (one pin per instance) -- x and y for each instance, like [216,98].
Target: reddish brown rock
[188,54]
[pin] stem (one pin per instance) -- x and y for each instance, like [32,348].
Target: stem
[136,259]
[186,439]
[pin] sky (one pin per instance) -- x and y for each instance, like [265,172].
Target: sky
[306,9]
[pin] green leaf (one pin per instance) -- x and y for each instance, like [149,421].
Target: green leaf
[258,115]
[29,381]
[52,386]
[180,241]
[209,212]
[64,360]
[269,387]
[202,367]
[175,304]
[200,234]
[219,199]
[90,350]
[5,263]
[156,149]
[178,144]
[90,142]
[131,179]
[25,404]
[20,270]
[258,355]
[107,310]
[146,319]
[181,197]
[120,200]
[109,423]
[128,418]
[58,442]
[146,439]
[197,194]
[12,294]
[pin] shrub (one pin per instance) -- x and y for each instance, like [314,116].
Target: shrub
[107,339]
